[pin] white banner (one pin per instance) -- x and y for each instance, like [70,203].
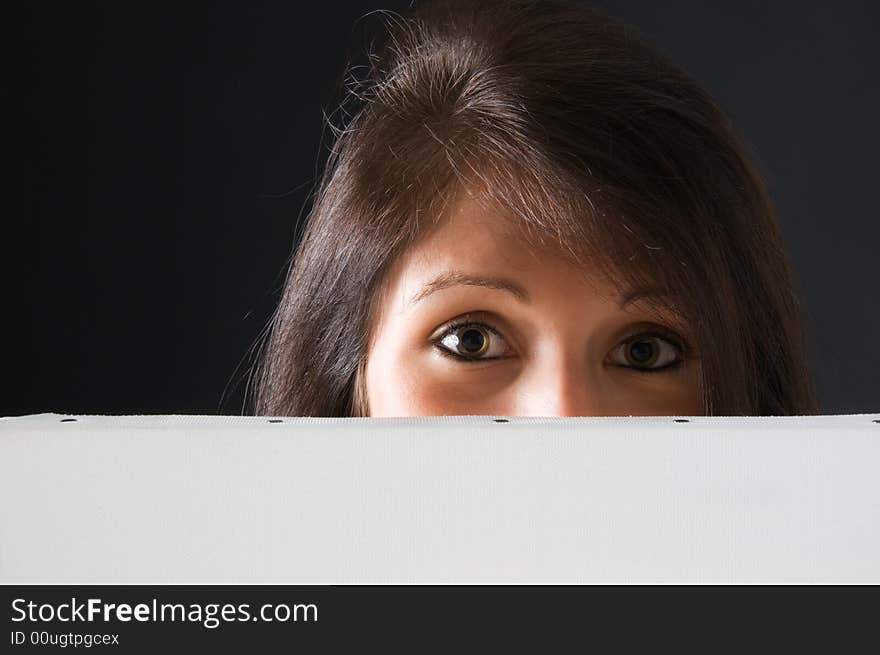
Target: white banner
[200,499]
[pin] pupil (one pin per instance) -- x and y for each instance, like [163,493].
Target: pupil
[642,351]
[472,340]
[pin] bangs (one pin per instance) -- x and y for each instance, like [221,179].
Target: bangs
[564,200]
[563,214]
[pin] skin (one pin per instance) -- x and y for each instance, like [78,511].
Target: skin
[559,341]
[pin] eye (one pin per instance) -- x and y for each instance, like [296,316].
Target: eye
[472,341]
[648,353]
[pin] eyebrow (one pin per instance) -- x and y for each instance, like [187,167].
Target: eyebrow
[455,278]
[671,311]
[449,279]
[642,292]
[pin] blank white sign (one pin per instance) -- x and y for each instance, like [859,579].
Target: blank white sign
[196,499]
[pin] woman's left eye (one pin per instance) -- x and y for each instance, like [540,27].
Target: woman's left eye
[472,341]
[648,353]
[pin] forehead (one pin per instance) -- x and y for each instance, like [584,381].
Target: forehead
[478,238]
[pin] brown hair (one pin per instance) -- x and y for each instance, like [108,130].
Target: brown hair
[600,149]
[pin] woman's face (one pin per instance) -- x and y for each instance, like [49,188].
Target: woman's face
[473,321]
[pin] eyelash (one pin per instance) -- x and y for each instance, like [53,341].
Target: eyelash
[656,332]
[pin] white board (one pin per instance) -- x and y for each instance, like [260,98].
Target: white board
[195,499]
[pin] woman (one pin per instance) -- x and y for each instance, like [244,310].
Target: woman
[532,212]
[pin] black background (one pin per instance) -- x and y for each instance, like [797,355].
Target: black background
[169,149]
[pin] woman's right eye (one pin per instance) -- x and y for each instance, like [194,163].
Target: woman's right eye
[472,341]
